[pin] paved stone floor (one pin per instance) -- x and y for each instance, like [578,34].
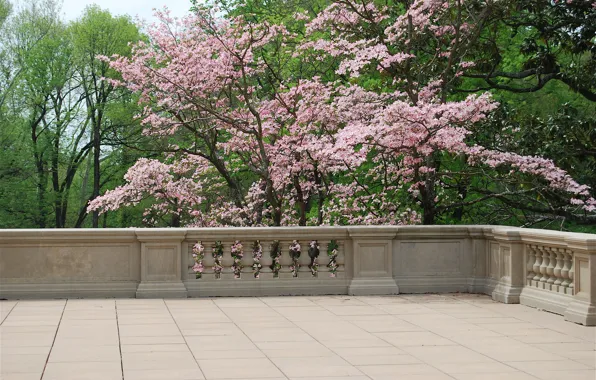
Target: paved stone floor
[406,337]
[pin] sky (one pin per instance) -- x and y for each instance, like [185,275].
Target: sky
[72,9]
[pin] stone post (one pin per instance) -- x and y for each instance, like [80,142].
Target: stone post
[162,260]
[582,308]
[372,249]
[512,274]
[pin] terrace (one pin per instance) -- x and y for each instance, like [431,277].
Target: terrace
[414,337]
[358,312]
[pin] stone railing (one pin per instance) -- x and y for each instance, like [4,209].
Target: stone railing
[553,271]
[266,266]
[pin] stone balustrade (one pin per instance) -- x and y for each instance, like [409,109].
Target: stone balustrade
[554,271]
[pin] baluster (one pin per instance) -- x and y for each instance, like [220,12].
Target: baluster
[208,261]
[226,262]
[543,266]
[190,274]
[247,261]
[565,271]
[557,270]
[304,259]
[536,266]
[323,259]
[317,252]
[266,261]
[550,270]
[531,260]
[572,275]
[333,246]
[285,260]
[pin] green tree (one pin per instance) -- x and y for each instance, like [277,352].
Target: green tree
[98,33]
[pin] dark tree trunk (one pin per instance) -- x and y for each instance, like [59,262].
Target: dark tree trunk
[300,202]
[96,172]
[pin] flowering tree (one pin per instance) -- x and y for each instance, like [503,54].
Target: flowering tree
[200,82]
[413,135]
[383,140]
[173,188]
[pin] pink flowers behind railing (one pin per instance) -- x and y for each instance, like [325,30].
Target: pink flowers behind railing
[198,253]
[295,255]
[218,256]
[275,256]
[276,250]
[332,252]
[237,254]
[313,253]
[257,254]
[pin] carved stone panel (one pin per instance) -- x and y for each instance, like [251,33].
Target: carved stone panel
[372,258]
[430,258]
[73,262]
[161,262]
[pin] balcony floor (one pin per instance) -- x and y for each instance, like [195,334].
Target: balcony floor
[411,337]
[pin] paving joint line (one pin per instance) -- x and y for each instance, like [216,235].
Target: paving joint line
[462,345]
[183,337]
[247,337]
[523,321]
[393,315]
[119,341]
[11,309]
[315,339]
[54,340]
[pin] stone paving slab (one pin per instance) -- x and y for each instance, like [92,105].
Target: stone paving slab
[414,337]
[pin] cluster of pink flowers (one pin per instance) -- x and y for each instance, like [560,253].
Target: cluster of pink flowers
[198,254]
[257,255]
[217,256]
[172,186]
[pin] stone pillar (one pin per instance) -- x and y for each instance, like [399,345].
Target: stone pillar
[372,252]
[582,308]
[512,272]
[478,254]
[162,260]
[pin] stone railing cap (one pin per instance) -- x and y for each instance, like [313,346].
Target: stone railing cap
[160,234]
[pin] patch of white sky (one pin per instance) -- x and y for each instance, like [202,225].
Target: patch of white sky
[72,9]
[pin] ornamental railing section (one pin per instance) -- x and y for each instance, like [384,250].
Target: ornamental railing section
[550,268]
[265,261]
[255,259]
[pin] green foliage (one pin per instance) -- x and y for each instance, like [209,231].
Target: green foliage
[5,9]
[535,57]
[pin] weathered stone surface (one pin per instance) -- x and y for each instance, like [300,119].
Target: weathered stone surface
[550,270]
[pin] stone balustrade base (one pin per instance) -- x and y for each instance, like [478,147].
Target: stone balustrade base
[35,290]
[252,287]
[582,312]
[161,289]
[541,299]
[373,286]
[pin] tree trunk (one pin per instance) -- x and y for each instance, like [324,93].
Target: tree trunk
[300,202]
[96,169]
[41,196]
[175,220]
[56,179]
[428,192]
